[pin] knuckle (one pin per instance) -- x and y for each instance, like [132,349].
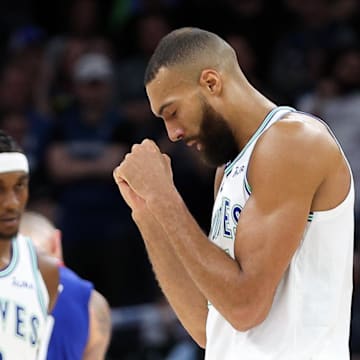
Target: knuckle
[135,147]
[148,142]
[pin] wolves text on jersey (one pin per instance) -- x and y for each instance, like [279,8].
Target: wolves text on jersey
[17,321]
[224,220]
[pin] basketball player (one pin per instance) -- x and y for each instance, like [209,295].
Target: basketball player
[82,324]
[275,279]
[28,283]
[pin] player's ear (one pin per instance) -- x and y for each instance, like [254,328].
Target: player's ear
[56,244]
[211,80]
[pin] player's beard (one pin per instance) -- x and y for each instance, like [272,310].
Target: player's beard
[8,236]
[216,138]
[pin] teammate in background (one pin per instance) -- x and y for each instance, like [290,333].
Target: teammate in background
[273,280]
[82,324]
[28,282]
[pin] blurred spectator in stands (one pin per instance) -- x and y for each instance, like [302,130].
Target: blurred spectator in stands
[90,139]
[15,88]
[248,60]
[26,47]
[261,22]
[130,90]
[56,86]
[151,331]
[13,14]
[336,99]
[123,10]
[83,33]
[19,118]
[245,55]
[300,54]
[84,18]
[345,10]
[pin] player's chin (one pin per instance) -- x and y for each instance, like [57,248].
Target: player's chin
[8,234]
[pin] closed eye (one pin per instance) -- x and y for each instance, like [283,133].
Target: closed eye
[170,116]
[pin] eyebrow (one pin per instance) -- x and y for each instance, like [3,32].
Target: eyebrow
[21,178]
[24,177]
[164,106]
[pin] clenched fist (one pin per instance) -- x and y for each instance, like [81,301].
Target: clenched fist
[144,175]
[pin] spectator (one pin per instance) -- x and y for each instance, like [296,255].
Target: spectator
[22,121]
[149,29]
[300,53]
[89,139]
[82,33]
[336,98]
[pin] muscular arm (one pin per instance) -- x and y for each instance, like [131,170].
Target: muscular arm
[285,177]
[185,298]
[183,295]
[99,328]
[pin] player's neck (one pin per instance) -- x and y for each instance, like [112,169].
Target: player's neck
[249,110]
[5,253]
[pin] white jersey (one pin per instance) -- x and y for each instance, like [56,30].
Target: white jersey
[310,315]
[23,304]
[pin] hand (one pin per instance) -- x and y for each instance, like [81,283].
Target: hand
[145,172]
[135,202]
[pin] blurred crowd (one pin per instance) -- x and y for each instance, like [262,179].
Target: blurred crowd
[72,95]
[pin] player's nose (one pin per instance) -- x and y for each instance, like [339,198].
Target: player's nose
[175,133]
[11,200]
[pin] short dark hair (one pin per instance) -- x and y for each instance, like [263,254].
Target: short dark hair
[180,46]
[8,144]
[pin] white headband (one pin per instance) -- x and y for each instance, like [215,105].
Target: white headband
[13,161]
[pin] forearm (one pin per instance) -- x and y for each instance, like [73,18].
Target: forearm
[187,301]
[215,273]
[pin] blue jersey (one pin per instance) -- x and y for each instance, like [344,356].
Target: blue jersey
[71,318]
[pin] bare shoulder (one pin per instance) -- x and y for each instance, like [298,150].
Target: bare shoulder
[301,133]
[302,139]
[49,269]
[300,148]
